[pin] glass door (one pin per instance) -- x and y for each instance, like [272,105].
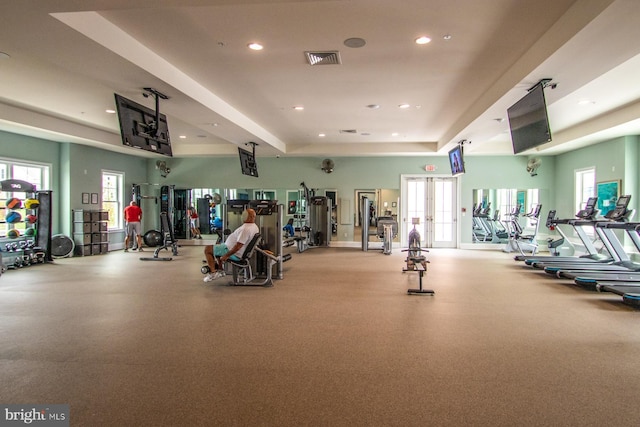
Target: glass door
[429,205]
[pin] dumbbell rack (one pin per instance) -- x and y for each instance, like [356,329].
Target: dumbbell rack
[23,242]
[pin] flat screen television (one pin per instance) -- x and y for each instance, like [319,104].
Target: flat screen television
[528,121]
[142,127]
[456,160]
[248,162]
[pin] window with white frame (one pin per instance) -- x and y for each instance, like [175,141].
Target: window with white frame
[113,198]
[37,174]
[585,187]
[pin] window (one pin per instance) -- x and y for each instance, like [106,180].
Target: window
[33,173]
[585,187]
[113,198]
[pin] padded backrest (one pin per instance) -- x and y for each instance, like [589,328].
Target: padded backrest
[251,246]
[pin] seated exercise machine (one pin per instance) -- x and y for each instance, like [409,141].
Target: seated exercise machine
[242,271]
[387,231]
[168,240]
[518,240]
[243,268]
[415,260]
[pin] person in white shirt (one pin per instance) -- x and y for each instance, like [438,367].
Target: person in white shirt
[233,247]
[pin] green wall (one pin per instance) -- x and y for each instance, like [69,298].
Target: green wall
[19,147]
[613,160]
[77,169]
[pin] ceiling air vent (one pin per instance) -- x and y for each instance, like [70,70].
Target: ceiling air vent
[348,131]
[329,57]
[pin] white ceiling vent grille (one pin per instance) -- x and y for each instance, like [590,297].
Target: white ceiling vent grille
[329,57]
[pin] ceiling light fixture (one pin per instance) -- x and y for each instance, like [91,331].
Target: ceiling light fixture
[373,106]
[322,135]
[183,137]
[109,111]
[255,46]
[423,40]
[404,106]
[298,107]
[447,37]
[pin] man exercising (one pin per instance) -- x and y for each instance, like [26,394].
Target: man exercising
[132,217]
[235,245]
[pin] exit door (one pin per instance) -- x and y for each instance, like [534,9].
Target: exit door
[433,202]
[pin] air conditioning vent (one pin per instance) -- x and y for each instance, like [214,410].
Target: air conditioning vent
[348,131]
[329,57]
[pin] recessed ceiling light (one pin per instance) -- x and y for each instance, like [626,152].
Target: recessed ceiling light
[447,37]
[423,40]
[322,135]
[298,107]
[395,134]
[255,46]
[183,137]
[404,106]
[109,111]
[373,106]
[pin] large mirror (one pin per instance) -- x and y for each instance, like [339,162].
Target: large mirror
[382,202]
[498,213]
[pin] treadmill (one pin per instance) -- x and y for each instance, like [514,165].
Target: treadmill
[584,217]
[591,279]
[621,260]
[630,294]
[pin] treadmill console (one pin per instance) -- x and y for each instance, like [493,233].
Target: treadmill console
[620,211]
[589,210]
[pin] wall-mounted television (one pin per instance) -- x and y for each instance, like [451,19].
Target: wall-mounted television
[456,160]
[142,127]
[528,121]
[248,162]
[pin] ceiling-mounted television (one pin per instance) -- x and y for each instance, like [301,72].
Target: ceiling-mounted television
[456,160]
[528,121]
[248,162]
[142,127]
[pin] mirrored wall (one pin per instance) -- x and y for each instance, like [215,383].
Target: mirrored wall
[497,212]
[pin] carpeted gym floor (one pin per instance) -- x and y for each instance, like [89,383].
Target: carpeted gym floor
[337,342]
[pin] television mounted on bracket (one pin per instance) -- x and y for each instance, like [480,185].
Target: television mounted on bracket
[528,119]
[248,160]
[456,160]
[143,128]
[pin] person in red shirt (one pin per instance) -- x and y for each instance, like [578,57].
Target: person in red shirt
[132,218]
[194,222]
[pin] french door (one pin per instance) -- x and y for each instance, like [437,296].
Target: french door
[430,204]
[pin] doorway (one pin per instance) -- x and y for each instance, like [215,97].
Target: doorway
[433,201]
